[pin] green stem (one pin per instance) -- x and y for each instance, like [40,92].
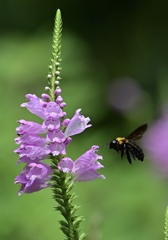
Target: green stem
[62,186]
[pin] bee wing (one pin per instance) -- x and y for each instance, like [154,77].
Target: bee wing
[137,133]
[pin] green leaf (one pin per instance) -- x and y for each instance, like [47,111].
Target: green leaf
[166,225]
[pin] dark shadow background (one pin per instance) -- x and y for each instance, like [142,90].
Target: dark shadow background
[104,43]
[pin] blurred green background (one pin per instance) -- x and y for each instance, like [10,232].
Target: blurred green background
[103,42]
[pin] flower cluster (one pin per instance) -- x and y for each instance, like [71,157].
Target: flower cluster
[42,141]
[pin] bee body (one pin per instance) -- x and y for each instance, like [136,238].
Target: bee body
[127,146]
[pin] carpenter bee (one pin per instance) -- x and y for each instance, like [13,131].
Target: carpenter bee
[127,146]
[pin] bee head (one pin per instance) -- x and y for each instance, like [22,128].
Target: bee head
[113,144]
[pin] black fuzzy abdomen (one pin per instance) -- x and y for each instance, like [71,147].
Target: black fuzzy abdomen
[135,151]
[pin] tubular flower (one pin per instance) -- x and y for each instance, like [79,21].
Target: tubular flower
[50,139]
[85,167]
[77,124]
[34,177]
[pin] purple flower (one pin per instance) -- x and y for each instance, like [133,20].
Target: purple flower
[155,142]
[52,122]
[41,108]
[85,167]
[56,135]
[33,147]
[35,105]
[30,127]
[33,152]
[57,148]
[34,177]
[77,124]
[28,139]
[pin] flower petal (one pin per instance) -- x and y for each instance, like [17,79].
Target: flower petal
[77,124]
[33,152]
[35,105]
[30,127]
[89,175]
[57,148]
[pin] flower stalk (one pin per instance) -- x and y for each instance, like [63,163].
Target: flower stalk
[61,183]
[49,140]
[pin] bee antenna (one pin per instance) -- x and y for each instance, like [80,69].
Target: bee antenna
[104,145]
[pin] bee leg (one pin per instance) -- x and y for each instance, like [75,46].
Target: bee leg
[128,157]
[131,150]
[122,153]
[132,153]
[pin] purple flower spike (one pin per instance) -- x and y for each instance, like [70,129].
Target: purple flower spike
[77,124]
[34,177]
[48,139]
[84,168]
